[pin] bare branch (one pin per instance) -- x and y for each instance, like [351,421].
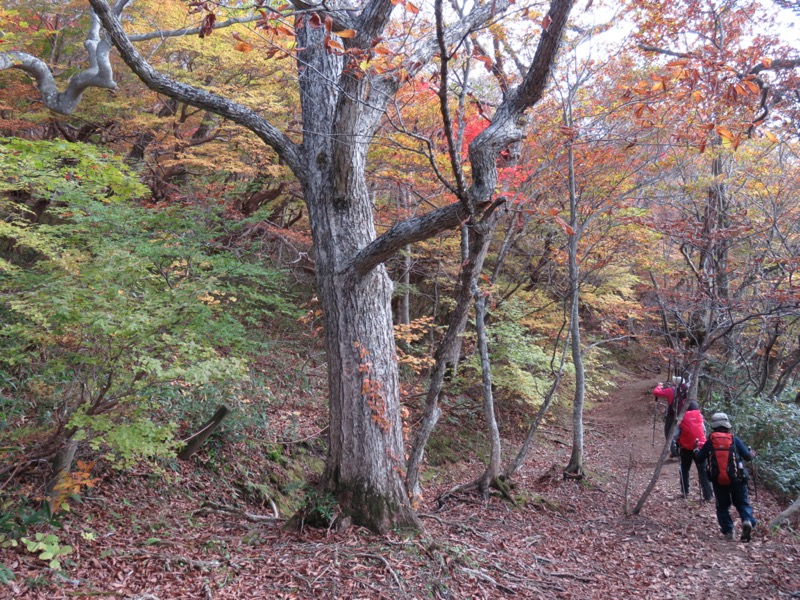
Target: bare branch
[185,31]
[99,73]
[412,230]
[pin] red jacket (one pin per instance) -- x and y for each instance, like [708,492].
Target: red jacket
[692,430]
[668,393]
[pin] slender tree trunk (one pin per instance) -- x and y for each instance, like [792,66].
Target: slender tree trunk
[478,247]
[404,311]
[575,466]
[62,464]
[493,463]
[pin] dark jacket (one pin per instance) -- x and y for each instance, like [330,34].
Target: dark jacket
[741,449]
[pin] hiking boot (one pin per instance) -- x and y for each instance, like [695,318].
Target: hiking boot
[729,536]
[747,529]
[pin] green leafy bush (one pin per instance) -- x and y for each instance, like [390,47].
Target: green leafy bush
[107,305]
[520,364]
[772,428]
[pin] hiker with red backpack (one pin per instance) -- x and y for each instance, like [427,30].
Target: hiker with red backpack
[675,395]
[725,453]
[690,436]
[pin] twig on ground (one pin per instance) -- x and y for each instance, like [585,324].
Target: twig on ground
[386,563]
[582,578]
[487,578]
[210,508]
[463,526]
[169,559]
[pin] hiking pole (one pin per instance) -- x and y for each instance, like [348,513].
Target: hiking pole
[755,473]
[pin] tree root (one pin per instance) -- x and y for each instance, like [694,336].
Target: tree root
[482,485]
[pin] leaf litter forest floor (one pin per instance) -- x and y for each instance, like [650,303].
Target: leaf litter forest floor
[566,539]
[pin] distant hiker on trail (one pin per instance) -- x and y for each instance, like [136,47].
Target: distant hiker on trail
[690,436]
[675,395]
[724,453]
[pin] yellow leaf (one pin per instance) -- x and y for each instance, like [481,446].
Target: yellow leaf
[771,137]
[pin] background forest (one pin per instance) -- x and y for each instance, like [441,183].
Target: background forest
[309,261]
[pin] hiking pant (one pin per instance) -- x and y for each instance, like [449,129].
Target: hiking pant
[687,458]
[669,419]
[735,494]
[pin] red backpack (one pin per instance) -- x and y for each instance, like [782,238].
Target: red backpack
[724,453]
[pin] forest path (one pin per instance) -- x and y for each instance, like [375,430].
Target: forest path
[678,540]
[142,537]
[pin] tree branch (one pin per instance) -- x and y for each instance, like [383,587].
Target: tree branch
[412,230]
[99,73]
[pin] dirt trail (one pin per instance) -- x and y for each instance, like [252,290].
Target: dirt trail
[682,535]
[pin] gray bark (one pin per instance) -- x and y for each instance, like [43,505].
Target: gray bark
[575,465]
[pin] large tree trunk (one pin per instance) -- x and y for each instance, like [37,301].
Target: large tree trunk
[366,460]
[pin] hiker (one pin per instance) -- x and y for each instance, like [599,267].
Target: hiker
[724,453]
[691,435]
[675,395]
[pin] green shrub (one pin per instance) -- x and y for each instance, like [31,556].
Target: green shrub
[772,428]
[110,308]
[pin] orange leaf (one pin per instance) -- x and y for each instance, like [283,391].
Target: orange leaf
[411,8]
[347,33]
[285,30]
[565,226]
[243,47]
[329,43]
[753,86]
[725,132]
[381,50]
[767,62]
[771,137]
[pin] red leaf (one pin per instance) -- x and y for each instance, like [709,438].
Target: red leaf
[546,22]
[207,26]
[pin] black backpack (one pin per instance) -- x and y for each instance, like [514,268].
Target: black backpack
[723,452]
